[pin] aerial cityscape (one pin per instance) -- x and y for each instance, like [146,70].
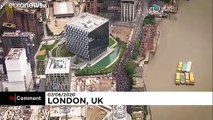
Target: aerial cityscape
[105,46]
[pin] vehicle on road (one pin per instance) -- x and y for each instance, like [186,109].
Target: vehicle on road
[182,78]
[192,80]
[177,80]
[187,78]
[189,65]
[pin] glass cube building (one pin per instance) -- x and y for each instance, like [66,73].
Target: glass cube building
[87,35]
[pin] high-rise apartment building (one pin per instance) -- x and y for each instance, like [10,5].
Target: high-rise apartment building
[21,40]
[18,71]
[87,35]
[58,74]
[129,9]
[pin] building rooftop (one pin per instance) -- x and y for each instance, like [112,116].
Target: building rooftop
[58,65]
[25,10]
[61,8]
[9,25]
[14,53]
[15,113]
[91,84]
[61,111]
[18,34]
[87,21]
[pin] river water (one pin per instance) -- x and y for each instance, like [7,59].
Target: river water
[189,37]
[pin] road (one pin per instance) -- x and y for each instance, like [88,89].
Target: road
[120,75]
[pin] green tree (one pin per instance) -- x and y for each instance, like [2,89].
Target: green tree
[133,117]
[129,69]
[136,50]
[149,19]
[166,1]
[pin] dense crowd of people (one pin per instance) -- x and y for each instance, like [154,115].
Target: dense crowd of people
[122,82]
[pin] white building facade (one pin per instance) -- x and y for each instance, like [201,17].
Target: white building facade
[19,72]
[58,74]
[129,9]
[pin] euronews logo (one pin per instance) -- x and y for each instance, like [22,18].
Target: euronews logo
[31,5]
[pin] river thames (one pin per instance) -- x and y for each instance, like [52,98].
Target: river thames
[189,37]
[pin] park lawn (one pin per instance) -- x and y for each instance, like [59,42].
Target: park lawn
[111,41]
[49,47]
[40,67]
[65,53]
[46,47]
[77,61]
[99,71]
[54,52]
[41,57]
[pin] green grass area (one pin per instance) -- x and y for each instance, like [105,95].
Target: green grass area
[46,47]
[40,57]
[111,41]
[40,67]
[65,53]
[54,52]
[77,61]
[99,71]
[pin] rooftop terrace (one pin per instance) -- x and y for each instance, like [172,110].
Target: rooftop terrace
[58,65]
[87,21]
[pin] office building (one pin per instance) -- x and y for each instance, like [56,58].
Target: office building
[27,20]
[106,8]
[114,10]
[87,35]
[129,9]
[2,60]
[21,40]
[18,71]
[58,74]
[91,6]
[63,9]
[3,15]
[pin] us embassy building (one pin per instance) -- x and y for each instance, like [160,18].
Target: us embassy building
[87,35]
